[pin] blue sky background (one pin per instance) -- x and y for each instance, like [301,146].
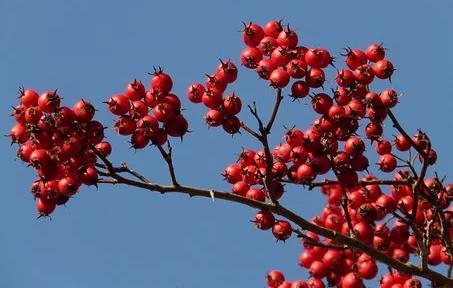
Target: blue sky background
[123,237]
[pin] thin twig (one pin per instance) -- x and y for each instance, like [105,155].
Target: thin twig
[167,155]
[278,100]
[250,131]
[398,127]
[309,240]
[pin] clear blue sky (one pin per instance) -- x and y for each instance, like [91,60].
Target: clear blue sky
[123,237]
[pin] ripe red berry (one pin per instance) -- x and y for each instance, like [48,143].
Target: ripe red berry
[267,45]
[135,90]
[275,278]
[279,78]
[125,125]
[352,280]
[45,207]
[28,97]
[177,126]
[375,52]
[287,38]
[401,143]
[315,77]
[195,92]
[19,134]
[387,163]
[161,82]
[104,148]
[383,69]
[389,98]
[231,124]
[83,110]
[299,89]
[250,57]
[272,28]
[264,220]
[214,118]
[252,34]
[232,104]
[282,230]
[49,101]
[119,104]
[227,71]
[355,58]
[164,112]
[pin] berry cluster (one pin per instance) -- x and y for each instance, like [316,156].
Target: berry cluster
[356,206]
[58,142]
[414,217]
[222,109]
[133,108]
[276,279]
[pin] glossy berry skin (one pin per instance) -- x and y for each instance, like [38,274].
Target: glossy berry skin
[135,90]
[28,97]
[383,69]
[119,104]
[264,220]
[195,92]
[387,163]
[375,52]
[83,111]
[252,34]
[164,112]
[177,126]
[287,38]
[232,104]
[49,101]
[227,71]
[279,78]
[250,57]
[282,230]
[273,28]
[275,278]
[161,82]
[45,207]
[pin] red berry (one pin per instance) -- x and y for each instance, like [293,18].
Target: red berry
[279,78]
[161,82]
[135,90]
[282,230]
[252,34]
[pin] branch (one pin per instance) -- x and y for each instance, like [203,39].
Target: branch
[250,131]
[278,100]
[309,240]
[168,158]
[398,127]
[326,182]
[257,117]
[298,220]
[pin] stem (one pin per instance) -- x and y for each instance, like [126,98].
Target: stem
[398,127]
[168,158]
[278,100]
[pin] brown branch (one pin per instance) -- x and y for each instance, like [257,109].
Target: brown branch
[310,241]
[326,182]
[398,127]
[167,155]
[133,173]
[296,219]
[250,131]
[278,100]
[254,112]
[408,164]
[417,186]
